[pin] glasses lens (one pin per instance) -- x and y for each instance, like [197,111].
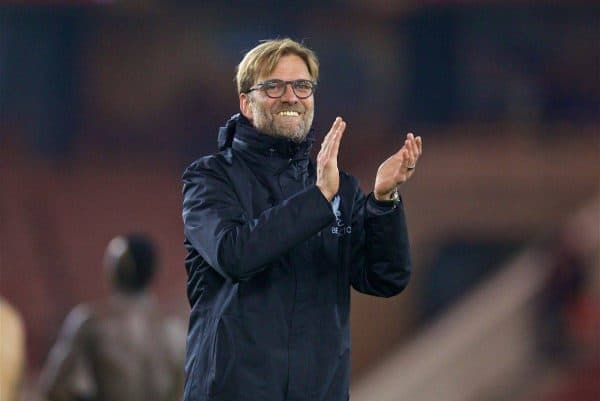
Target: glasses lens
[274,88]
[302,88]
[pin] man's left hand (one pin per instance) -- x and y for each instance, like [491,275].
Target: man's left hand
[398,168]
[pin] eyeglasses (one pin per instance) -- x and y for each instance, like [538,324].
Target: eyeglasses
[275,88]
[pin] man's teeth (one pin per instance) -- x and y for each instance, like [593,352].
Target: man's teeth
[289,113]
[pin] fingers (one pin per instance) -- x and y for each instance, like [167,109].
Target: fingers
[403,168]
[414,147]
[411,146]
[406,159]
[335,143]
[416,143]
[331,142]
[332,131]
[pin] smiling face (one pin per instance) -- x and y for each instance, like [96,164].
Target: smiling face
[287,116]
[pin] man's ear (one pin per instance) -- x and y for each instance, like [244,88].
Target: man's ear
[245,106]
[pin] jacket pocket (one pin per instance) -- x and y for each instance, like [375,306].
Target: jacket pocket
[239,371]
[222,356]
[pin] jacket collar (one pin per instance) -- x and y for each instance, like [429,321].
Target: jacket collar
[239,134]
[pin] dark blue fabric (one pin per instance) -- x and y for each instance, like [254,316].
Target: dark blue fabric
[270,263]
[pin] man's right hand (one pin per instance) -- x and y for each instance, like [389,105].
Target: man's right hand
[328,175]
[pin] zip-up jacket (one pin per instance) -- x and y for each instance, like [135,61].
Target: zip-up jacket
[270,264]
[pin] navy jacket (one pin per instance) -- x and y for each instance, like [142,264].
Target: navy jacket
[270,264]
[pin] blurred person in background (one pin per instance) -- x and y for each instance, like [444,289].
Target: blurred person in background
[123,348]
[12,352]
[275,241]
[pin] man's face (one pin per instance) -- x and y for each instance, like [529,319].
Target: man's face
[287,116]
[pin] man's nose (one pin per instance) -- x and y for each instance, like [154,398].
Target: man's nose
[288,93]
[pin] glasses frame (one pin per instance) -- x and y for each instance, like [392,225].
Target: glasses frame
[261,85]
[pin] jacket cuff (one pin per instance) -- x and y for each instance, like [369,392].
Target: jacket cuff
[318,200]
[380,208]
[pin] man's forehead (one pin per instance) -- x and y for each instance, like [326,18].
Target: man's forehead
[289,66]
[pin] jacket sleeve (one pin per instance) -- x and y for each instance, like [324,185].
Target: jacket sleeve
[380,254]
[235,245]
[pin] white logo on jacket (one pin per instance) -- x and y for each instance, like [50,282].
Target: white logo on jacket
[339,228]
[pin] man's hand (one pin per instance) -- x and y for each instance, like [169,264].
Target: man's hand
[328,175]
[397,168]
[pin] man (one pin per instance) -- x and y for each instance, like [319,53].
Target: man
[121,349]
[274,242]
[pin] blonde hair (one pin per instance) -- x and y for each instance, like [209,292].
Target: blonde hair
[262,60]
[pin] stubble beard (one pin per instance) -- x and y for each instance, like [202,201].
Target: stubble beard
[268,124]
